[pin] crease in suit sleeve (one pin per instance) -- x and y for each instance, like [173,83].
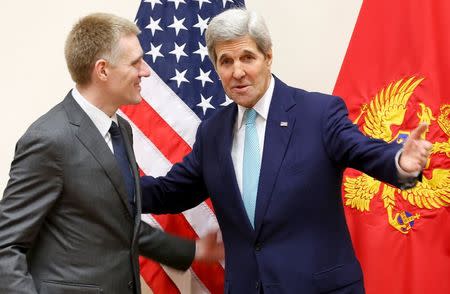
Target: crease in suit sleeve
[182,188]
[33,188]
[164,248]
[348,147]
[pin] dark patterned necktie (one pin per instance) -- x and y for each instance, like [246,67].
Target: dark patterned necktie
[122,160]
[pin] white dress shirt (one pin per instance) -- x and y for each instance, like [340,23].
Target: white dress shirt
[100,119]
[237,149]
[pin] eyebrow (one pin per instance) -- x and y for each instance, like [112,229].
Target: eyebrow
[249,52]
[134,61]
[245,52]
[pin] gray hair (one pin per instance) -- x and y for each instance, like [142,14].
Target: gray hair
[235,23]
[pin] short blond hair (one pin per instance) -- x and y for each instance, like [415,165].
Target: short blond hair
[93,37]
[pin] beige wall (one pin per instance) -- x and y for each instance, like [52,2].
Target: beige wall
[310,39]
[33,74]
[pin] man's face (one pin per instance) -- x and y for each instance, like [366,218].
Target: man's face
[243,69]
[125,74]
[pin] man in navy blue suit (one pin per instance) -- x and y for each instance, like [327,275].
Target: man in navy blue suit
[272,163]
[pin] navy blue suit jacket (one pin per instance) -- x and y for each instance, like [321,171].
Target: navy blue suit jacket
[300,243]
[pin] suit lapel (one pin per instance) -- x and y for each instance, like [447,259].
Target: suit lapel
[223,143]
[276,141]
[90,137]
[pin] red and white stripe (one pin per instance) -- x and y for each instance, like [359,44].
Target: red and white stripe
[164,129]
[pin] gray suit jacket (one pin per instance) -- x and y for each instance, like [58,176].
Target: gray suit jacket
[65,226]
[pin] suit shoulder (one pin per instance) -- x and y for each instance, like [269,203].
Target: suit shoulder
[316,106]
[316,98]
[220,115]
[223,111]
[317,101]
[51,120]
[49,127]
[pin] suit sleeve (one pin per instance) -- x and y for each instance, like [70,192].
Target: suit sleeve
[182,188]
[33,188]
[167,249]
[161,247]
[348,147]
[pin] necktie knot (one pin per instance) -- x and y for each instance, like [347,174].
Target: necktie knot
[114,130]
[250,118]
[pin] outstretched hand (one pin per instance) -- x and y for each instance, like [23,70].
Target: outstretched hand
[416,151]
[210,248]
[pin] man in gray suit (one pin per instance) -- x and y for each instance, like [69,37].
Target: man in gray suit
[70,215]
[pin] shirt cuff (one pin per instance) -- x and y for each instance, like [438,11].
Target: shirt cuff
[406,179]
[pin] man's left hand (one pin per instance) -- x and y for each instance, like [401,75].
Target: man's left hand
[210,248]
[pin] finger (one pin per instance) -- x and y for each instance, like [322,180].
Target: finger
[425,156]
[417,132]
[427,145]
[422,151]
[423,163]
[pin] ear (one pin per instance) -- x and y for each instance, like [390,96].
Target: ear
[100,70]
[269,58]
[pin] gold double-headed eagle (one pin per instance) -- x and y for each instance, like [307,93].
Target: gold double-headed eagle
[386,109]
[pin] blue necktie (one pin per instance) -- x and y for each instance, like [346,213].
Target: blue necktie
[122,160]
[251,165]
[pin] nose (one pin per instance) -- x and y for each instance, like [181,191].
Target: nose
[238,71]
[145,69]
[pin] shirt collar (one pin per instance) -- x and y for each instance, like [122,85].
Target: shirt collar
[100,119]
[261,107]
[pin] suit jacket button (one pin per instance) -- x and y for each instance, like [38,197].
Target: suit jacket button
[130,285]
[258,247]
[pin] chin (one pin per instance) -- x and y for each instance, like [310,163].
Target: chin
[245,103]
[138,98]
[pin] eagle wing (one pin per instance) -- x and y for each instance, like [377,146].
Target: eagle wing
[359,191]
[431,193]
[389,103]
[443,119]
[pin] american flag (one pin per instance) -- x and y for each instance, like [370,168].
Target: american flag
[182,90]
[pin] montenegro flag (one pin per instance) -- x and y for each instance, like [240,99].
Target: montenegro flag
[396,74]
